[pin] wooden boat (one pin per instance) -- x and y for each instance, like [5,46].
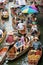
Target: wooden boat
[3,52]
[34,56]
[2,38]
[12,54]
[5,14]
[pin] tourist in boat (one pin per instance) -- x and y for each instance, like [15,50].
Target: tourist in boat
[25,41]
[22,44]
[18,46]
[21,28]
[34,29]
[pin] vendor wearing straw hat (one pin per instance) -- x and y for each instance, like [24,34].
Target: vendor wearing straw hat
[36,44]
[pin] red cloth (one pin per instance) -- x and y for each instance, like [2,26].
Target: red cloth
[38,53]
[10,39]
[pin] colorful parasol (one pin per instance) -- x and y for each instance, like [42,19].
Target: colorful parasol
[29,10]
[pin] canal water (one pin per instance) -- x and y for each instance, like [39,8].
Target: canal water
[23,60]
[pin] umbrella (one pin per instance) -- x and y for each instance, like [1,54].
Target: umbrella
[33,6]
[29,10]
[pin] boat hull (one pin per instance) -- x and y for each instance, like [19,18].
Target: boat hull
[34,62]
[3,56]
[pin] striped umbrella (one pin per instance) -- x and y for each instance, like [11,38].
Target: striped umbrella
[29,10]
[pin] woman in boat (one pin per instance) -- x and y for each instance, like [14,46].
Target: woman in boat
[26,42]
[36,44]
[10,39]
[34,29]
[21,28]
[18,46]
[22,44]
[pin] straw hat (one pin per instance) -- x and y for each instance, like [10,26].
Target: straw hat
[10,33]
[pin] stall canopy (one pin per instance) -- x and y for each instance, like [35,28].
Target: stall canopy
[29,10]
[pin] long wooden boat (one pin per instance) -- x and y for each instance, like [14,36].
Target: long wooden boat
[12,55]
[34,56]
[3,52]
[4,35]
